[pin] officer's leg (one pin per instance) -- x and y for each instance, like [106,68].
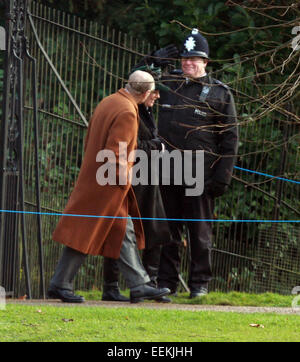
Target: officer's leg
[151,259]
[200,232]
[169,267]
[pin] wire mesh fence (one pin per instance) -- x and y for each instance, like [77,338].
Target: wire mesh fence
[93,61]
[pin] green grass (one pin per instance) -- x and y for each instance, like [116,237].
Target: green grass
[81,323]
[216,298]
[96,323]
[239,299]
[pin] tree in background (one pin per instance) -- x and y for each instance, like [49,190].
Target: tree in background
[160,22]
[252,37]
[251,49]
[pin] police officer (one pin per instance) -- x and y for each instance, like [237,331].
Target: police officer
[198,114]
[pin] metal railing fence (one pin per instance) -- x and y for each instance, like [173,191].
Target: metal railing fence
[78,63]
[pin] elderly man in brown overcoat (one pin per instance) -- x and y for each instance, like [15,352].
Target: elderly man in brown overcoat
[104,226]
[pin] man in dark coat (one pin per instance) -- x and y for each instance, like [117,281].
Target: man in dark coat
[197,114]
[149,202]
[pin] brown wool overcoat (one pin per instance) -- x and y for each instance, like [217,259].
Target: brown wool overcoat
[114,120]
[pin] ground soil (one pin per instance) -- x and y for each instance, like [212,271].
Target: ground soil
[153,305]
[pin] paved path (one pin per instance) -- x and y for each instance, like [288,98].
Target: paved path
[152,305]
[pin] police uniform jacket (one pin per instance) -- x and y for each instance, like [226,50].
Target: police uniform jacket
[199,114]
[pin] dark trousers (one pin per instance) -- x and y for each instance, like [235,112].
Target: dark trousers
[151,259]
[179,206]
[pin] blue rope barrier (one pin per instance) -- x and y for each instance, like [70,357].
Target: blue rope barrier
[267,175]
[146,218]
[168,219]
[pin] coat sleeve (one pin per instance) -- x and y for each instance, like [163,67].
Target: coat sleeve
[121,141]
[228,142]
[149,145]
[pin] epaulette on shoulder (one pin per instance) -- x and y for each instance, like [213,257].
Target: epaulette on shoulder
[216,81]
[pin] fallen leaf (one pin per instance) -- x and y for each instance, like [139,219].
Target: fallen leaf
[256,325]
[67,320]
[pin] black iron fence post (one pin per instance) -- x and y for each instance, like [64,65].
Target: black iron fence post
[11,152]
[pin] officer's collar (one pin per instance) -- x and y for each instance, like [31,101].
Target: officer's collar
[200,79]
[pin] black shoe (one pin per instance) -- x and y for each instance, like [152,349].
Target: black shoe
[166,299]
[64,295]
[163,299]
[198,292]
[160,300]
[173,290]
[146,292]
[112,294]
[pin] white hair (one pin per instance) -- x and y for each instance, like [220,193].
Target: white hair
[140,82]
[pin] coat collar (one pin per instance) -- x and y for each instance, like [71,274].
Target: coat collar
[127,95]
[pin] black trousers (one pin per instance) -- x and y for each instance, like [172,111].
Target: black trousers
[179,206]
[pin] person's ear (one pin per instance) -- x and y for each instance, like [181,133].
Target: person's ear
[146,95]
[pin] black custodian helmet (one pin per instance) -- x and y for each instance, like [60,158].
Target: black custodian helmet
[195,45]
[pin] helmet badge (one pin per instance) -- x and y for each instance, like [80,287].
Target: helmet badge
[190,44]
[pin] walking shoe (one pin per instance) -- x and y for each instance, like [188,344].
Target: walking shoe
[173,289]
[65,295]
[137,294]
[113,294]
[198,292]
[163,299]
[166,299]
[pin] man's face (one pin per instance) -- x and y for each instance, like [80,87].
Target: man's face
[193,67]
[153,96]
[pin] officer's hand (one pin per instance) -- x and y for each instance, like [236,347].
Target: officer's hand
[215,188]
[165,56]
